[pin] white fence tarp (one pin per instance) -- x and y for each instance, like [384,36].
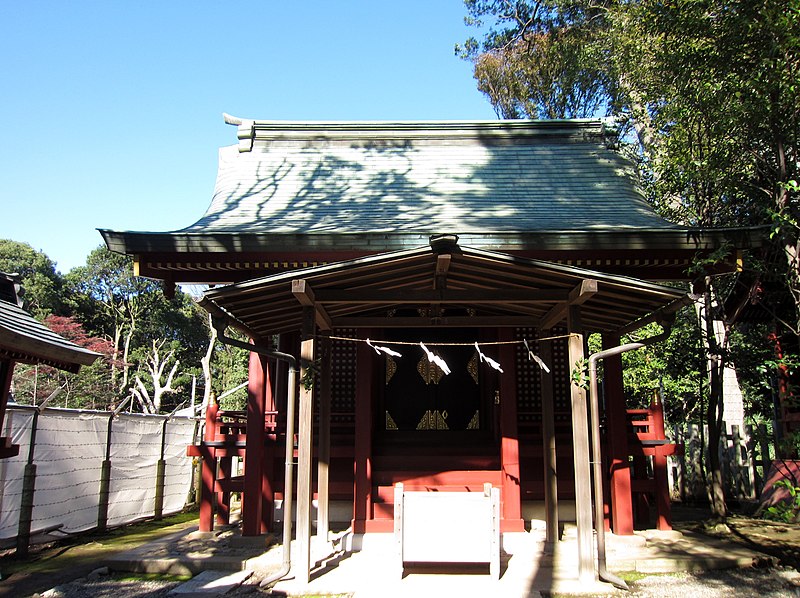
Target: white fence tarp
[69,451]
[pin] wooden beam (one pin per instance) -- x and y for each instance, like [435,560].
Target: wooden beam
[405,296]
[509,442]
[442,268]
[305,295]
[580,450]
[362,449]
[254,455]
[305,448]
[442,322]
[577,296]
[549,448]
[324,441]
[440,280]
[617,424]
[583,292]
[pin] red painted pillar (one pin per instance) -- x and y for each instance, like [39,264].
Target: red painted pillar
[663,505]
[617,437]
[509,447]
[268,447]
[223,497]
[208,469]
[6,373]
[254,446]
[362,466]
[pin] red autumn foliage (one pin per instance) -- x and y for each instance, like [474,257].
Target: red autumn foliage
[72,330]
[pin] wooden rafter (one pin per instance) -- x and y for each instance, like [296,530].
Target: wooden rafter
[577,296]
[305,295]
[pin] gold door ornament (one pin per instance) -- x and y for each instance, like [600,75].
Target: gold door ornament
[475,422]
[433,420]
[472,367]
[390,424]
[391,368]
[429,371]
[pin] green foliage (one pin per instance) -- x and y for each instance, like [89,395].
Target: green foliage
[785,510]
[310,373]
[579,375]
[111,311]
[674,368]
[41,282]
[540,59]
[757,368]
[229,367]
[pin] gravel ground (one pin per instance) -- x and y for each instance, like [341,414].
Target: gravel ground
[767,583]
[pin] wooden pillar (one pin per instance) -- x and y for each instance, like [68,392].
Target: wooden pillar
[663,505]
[254,445]
[6,374]
[268,452]
[305,446]
[362,466]
[223,494]
[208,469]
[617,421]
[580,448]
[549,449]
[511,520]
[324,450]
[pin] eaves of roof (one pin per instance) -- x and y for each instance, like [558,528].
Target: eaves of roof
[24,339]
[492,289]
[136,242]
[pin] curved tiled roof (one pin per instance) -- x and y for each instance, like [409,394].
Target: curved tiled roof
[477,177]
[311,192]
[24,339]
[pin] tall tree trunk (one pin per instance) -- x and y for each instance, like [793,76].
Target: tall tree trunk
[715,342]
[126,366]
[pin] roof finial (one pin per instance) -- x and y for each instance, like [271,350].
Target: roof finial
[443,243]
[232,120]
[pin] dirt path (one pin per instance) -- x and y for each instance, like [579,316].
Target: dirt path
[50,565]
[781,540]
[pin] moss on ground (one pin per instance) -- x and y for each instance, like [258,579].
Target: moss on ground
[81,550]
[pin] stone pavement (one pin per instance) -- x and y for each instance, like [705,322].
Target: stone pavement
[367,565]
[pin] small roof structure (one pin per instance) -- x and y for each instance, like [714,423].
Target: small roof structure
[441,285]
[24,339]
[314,192]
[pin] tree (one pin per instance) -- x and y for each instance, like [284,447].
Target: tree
[88,388]
[160,380]
[111,302]
[710,90]
[540,59]
[41,282]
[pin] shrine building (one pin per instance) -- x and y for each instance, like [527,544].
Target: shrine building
[435,284]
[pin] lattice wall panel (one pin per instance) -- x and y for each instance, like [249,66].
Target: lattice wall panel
[529,391]
[343,365]
[560,369]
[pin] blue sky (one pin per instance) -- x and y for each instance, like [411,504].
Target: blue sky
[112,110]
